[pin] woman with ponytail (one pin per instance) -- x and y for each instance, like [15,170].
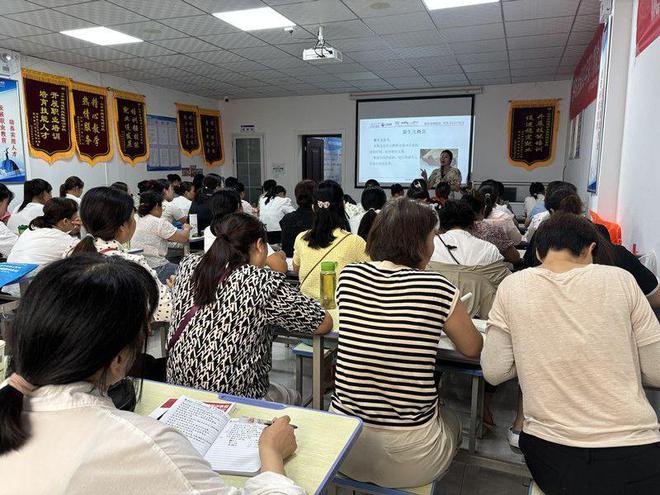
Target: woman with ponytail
[272,209]
[224,304]
[80,326]
[108,216]
[72,188]
[153,232]
[498,214]
[329,239]
[36,193]
[48,236]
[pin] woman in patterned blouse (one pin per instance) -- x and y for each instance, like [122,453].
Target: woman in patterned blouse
[224,305]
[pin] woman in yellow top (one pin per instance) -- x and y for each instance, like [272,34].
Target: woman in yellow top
[329,239]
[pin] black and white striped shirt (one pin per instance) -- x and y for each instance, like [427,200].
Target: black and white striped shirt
[390,320]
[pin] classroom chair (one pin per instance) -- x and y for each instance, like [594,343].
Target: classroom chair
[476,400]
[303,351]
[481,281]
[361,487]
[534,489]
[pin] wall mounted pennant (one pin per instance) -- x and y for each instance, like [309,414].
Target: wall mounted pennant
[91,123]
[210,125]
[131,126]
[532,132]
[187,119]
[47,115]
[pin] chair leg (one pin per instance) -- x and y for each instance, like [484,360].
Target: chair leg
[299,375]
[474,409]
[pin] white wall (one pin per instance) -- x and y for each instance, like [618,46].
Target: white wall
[283,120]
[638,209]
[160,101]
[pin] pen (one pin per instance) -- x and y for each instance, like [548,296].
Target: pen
[266,422]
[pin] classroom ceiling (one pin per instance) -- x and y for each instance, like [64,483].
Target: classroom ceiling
[387,44]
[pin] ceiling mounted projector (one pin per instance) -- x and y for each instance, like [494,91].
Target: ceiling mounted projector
[321,51]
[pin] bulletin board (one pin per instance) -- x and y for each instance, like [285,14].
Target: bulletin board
[164,143]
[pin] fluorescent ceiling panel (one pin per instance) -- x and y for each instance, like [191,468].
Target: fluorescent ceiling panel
[102,36]
[255,19]
[450,4]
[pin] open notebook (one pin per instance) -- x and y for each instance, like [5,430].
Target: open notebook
[231,446]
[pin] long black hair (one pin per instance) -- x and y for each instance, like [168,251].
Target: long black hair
[103,211]
[372,199]
[32,189]
[230,250]
[114,300]
[268,186]
[55,210]
[71,183]
[148,201]
[223,202]
[329,214]
[274,192]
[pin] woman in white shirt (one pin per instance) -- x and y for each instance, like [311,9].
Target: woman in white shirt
[35,194]
[186,193]
[55,410]
[223,203]
[7,237]
[152,233]
[457,246]
[273,208]
[536,197]
[48,236]
[498,214]
[171,212]
[108,216]
[72,188]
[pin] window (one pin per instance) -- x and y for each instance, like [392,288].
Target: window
[575,136]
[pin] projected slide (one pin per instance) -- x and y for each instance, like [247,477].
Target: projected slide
[394,150]
[398,138]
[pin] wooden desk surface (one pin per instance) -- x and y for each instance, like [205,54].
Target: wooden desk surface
[323,438]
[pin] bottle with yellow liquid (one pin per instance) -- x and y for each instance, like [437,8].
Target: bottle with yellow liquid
[328,284]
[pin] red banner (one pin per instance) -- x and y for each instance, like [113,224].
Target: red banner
[585,78]
[648,23]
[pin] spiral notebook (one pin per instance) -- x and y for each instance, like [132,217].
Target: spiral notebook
[231,446]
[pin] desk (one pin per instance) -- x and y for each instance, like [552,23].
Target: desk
[323,438]
[192,240]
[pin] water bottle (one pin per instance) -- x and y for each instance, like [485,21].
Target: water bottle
[328,284]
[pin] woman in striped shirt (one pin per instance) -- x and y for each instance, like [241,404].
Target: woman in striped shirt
[391,315]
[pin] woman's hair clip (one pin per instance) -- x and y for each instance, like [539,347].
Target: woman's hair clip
[323,204]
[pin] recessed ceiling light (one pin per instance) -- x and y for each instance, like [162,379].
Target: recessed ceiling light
[255,19]
[450,4]
[101,36]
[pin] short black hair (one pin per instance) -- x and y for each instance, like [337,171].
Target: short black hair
[304,191]
[456,214]
[373,198]
[536,188]
[442,190]
[371,183]
[565,231]
[396,189]
[174,177]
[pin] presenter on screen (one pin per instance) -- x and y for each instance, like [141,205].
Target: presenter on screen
[445,172]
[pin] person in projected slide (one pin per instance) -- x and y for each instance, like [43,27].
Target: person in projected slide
[445,172]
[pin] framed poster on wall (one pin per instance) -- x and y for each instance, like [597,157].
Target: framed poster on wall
[164,143]
[12,157]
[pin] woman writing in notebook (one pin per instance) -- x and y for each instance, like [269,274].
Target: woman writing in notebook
[54,410]
[225,304]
